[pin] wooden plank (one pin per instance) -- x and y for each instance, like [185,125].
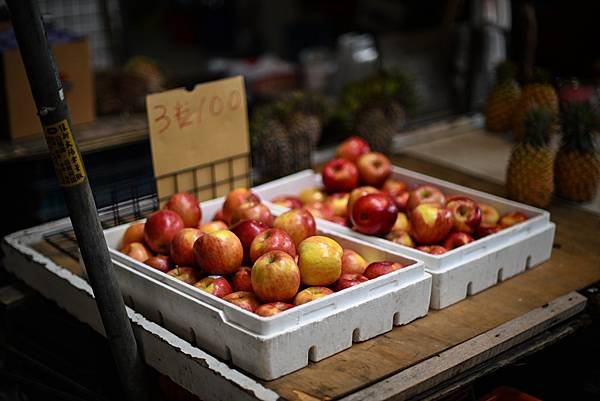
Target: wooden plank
[575,264]
[469,354]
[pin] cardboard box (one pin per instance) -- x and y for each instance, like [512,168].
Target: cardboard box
[18,114]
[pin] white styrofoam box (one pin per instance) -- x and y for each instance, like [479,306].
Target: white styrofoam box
[274,346]
[462,271]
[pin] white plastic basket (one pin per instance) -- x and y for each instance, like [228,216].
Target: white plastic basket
[462,271]
[274,346]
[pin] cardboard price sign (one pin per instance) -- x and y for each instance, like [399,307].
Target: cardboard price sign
[199,138]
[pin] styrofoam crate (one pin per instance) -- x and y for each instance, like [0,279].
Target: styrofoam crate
[463,271]
[274,346]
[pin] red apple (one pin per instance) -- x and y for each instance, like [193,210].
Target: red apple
[246,230]
[134,233]
[273,239]
[235,199]
[160,229]
[212,226]
[289,201]
[352,148]
[512,218]
[430,223]
[182,246]
[394,187]
[466,215]
[432,249]
[348,280]
[160,262]
[374,214]
[425,194]
[489,214]
[456,239]
[242,279]
[137,251]
[272,308]
[352,262]
[219,252]
[319,260]
[319,210]
[374,168]
[402,201]
[298,223]
[357,193]
[252,211]
[275,277]
[216,285]
[339,175]
[338,202]
[219,216]
[484,230]
[377,269]
[188,275]
[311,194]
[401,237]
[187,207]
[244,299]
[310,294]
[402,223]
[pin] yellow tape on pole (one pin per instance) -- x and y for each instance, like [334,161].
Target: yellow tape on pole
[64,154]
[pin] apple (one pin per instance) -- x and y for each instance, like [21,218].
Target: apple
[425,194]
[311,194]
[134,233]
[187,207]
[374,168]
[466,214]
[352,262]
[182,246]
[275,277]
[137,251]
[394,187]
[298,223]
[188,275]
[244,299]
[160,229]
[338,202]
[246,230]
[310,294]
[456,239]
[352,148]
[212,226]
[289,201]
[273,239]
[402,223]
[343,221]
[252,211]
[162,263]
[484,230]
[489,214]
[339,175]
[219,252]
[512,218]
[348,280]
[432,249]
[216,285]
[219,216]
[402,201]
[430,223]
[319,260]
[357,193]
[374,214]
[401,237]
[242,279]
[320,210]
[377,269]
[272,308]
[235,199]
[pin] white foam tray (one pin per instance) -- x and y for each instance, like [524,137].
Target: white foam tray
[274,346]
[463,271]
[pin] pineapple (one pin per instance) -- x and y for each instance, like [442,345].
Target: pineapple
[577,165]
[303,113]
[541,93]
[502,99]
[529,177]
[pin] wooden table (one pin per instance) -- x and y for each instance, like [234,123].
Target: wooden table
[447,348]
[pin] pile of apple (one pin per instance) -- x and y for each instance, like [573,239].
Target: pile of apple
[360,193]
[290,264]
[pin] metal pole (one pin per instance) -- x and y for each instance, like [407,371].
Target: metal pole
[70,171]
